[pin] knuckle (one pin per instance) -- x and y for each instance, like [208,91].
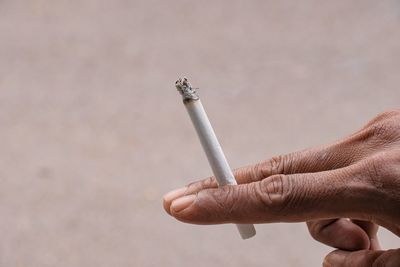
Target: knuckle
[379,130]
[259,171]
[386,131]
[209,182]
[273,192]
[277,165]
[391,113]
[382,170]
[380,180]
[385,127]
[225,198]
[273,166]
[373,169]
[385,115]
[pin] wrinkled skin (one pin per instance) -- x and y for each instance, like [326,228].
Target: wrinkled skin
[344,191]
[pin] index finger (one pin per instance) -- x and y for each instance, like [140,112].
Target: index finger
[338,155]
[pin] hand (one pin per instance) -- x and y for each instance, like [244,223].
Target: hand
[357,177]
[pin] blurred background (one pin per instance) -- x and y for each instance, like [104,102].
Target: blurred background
[93,132]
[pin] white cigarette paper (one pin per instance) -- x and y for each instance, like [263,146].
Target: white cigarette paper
[210,144]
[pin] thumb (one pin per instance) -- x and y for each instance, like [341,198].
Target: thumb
[281,198]
[361,258]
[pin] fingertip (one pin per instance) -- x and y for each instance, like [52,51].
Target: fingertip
[166,206]
[325,263]
[362,258]
[340,233]
[171,196]
[335,258]
[372,231]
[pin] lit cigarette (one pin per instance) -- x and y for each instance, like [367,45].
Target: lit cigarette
[210,144]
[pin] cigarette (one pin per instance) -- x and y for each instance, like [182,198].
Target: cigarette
[210,144]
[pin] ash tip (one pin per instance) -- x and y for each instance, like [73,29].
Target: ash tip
[186,89]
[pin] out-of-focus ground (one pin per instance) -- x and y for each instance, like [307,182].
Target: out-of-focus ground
[93,132]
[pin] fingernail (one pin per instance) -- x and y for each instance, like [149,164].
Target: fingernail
[182,203]
[174,194]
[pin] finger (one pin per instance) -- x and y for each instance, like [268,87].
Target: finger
[242,175]
[310,160]
[339,154]
[363,258]
[285,198]
[371,229]
[316,159]
[339,233]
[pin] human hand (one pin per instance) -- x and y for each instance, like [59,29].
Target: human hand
[357,177]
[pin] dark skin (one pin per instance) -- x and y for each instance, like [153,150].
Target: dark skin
[344,191]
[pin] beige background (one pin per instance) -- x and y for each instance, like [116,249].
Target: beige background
[93,132]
